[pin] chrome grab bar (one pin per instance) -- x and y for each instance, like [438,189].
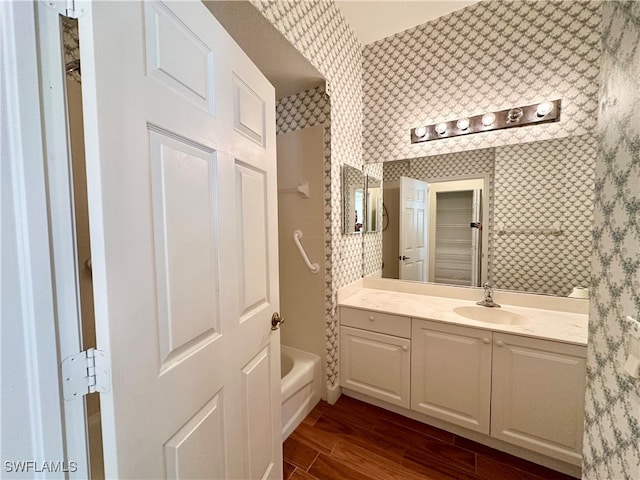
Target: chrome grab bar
[314,267]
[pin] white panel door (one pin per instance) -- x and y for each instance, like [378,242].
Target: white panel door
[451,373]
[180,135]
[537,399]
[413,255]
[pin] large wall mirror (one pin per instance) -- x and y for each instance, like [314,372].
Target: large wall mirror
[518,216]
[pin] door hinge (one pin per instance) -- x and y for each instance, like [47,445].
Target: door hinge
[85,372]
[69,8]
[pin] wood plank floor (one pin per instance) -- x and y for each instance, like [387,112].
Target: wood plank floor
[355,440]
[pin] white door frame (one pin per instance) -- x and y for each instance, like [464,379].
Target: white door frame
[439,184]
[62,222]
[30,400]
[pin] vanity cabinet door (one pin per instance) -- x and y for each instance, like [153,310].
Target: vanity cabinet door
[451,373]
[538,395]
[375,364]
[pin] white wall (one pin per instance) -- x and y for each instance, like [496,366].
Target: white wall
[300,158]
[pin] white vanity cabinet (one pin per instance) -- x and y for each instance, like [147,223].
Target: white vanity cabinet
[375,351]
[537,399]
[511,378]
[451,373]
[524,391]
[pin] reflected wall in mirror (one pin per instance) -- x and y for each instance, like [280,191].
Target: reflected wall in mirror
[353,202]
[529,189]
[373,204]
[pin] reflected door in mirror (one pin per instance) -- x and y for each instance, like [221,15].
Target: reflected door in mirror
[413,252]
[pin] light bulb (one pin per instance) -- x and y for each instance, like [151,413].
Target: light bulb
[488,119]
[462,124]
[420,132]
[545,108]
[441,128]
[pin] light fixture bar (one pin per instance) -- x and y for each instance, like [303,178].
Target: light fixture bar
[544,112]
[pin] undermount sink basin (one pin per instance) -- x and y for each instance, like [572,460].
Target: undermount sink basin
[491,315]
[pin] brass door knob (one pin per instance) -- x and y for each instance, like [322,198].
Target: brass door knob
[276,320]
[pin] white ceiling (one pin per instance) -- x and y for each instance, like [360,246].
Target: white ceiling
[375,20]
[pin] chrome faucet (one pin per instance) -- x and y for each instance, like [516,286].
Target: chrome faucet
[488,297]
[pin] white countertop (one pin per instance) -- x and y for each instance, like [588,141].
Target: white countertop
[545,324]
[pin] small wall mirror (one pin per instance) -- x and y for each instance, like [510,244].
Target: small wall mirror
[353,200]
[373,205]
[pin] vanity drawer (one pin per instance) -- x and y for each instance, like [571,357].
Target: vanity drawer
[376,322]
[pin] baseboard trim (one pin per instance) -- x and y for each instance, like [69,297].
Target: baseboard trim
[333,393]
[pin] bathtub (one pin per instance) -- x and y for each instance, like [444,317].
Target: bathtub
[300,386]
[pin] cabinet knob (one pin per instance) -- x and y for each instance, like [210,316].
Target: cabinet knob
[372,318]
[405,348]
[500,343]
[486,340]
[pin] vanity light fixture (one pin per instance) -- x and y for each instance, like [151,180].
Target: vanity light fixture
[544,112]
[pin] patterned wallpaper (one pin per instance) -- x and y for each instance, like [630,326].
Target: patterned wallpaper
[489,56]
[612,424]
[536,185]
[71,44]
[318,30]
[392,171]
[305,109]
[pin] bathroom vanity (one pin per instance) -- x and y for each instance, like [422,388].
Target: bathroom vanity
[512,377]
